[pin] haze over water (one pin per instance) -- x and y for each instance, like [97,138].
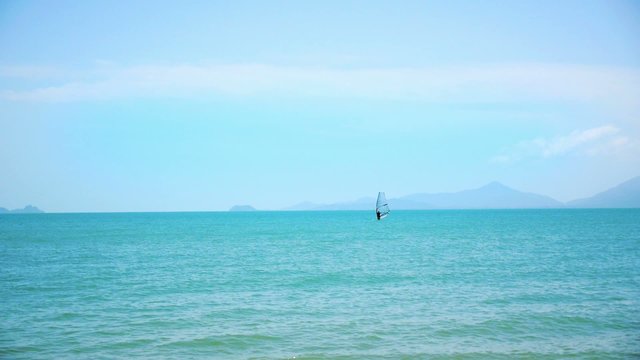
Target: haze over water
[420,284]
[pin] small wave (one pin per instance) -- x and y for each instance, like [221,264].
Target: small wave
[231,341]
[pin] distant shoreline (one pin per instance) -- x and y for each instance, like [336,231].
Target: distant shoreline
[492,196]
[307,211]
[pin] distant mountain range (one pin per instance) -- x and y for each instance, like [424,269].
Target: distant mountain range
[26,210]
[359,204]
[492,196]
[242,208]
[625,195]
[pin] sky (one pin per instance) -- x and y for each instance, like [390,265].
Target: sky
[202,105]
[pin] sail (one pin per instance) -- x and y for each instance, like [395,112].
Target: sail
[382,208]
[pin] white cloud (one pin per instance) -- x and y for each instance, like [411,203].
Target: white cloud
[617,87]
[612,146]
[594,141]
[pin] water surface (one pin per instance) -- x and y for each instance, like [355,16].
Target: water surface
[420,284]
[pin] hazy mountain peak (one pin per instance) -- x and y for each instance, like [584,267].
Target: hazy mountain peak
[494,195]
[624,195]
[242,208]
[495,185]
[305,205]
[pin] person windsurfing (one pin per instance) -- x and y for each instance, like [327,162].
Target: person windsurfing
[382,208]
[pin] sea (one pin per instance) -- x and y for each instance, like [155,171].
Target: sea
[441,284]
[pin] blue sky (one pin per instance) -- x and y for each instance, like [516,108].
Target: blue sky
[161,106]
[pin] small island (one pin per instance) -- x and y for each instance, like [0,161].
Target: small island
[26,210]
[242,208]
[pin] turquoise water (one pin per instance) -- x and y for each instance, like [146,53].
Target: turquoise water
[420,284]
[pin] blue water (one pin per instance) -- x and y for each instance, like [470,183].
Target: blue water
[321,285]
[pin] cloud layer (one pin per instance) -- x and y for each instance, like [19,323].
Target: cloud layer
[618,87]
[594,141]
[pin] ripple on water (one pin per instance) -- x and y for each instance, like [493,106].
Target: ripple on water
[539,284]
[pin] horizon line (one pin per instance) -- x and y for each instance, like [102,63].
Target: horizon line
[316,210]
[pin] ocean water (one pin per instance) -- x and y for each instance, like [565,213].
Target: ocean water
[540,284]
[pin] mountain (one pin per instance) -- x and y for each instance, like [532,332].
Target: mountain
[26,210]
[305,205]
[242,208]
[491,196]
[365,203]
[625,195]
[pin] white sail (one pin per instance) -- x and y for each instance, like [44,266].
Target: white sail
[382,208]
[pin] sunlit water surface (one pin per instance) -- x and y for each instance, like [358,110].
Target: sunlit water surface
[419,284]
